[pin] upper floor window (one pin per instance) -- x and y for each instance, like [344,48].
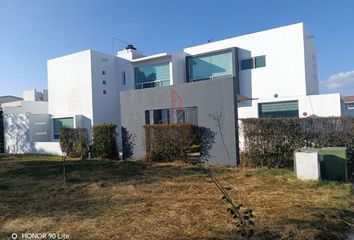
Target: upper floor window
[247,64]
[152,75]
[103,72]
[212,65]
[255,62]
[259,61]
[123,78]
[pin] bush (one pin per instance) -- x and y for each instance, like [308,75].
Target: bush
[272,142]
[168,142]
[73,142]
[105,141]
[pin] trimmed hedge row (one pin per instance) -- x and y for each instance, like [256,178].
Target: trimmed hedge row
[105,144]
[74,142]
[272,142]
[168,142]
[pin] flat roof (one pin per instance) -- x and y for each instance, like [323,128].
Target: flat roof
[159,55]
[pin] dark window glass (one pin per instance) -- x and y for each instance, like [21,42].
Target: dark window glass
[104,91]
[104,82]
[103,72]
[147,117]
[260,61]
[279,109]
[157,116]
[247,64]
[123,78]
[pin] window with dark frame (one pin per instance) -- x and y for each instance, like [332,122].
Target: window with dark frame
[123,78]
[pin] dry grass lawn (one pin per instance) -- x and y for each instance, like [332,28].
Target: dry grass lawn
[133,200]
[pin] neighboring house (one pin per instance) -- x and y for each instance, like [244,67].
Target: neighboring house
[348,105]
[27,124]
[7,99]
[349,102]
[271,73]
[3,100]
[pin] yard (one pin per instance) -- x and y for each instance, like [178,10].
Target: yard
[134,200]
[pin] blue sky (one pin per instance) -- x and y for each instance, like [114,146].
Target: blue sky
[33,31]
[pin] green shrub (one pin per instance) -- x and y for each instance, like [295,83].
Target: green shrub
[105,141]
[168,142]
[272,142]
[73,142]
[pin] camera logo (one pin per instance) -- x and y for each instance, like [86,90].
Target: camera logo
[14,236]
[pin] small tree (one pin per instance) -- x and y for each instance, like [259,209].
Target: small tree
[73,142]
[105,144]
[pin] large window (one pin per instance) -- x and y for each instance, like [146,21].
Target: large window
[175,115]
[59,123]
[279,109]
[210,66]
[152,75]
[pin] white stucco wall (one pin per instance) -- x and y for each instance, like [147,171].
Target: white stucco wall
[22,130]
[70,85]
[17,133]
[322,105]
[284,73]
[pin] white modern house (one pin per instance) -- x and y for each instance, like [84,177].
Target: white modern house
[274,73]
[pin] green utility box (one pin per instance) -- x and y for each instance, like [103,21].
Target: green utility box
[333,164]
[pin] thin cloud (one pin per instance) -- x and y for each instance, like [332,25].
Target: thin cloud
[343,80]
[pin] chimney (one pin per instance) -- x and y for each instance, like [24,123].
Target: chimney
[129,53]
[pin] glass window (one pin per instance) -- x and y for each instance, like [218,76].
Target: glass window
[349,105]
[59,123]
[247,64]
[123,78]
[147,117]
[152,75]
[279,109]
[209,66]
[172,115]
[104,82]
[260,61]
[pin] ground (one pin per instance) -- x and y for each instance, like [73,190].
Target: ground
[135,200]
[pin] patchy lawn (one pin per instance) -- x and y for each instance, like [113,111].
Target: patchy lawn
[134,200]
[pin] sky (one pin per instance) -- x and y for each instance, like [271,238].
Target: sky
[33,31]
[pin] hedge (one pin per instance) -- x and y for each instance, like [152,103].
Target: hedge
[74,142]
[105,141]
[1,133]
[272,142]
[169,142]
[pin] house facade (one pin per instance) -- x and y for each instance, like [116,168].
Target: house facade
[273,74]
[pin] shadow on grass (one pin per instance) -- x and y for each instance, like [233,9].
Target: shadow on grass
[330,223]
